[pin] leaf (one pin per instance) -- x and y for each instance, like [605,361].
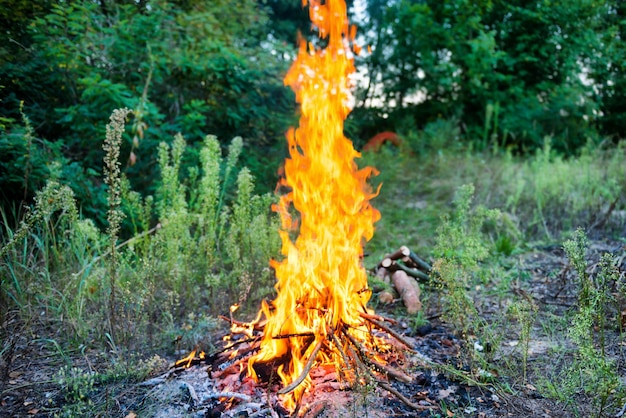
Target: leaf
[444,393]
[131,414]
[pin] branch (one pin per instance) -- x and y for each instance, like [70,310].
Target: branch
[392,333]
[403,398]
[305,372]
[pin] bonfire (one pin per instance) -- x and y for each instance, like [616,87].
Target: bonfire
[318,314]
[320,317]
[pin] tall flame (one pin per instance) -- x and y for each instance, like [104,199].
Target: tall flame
[322,285]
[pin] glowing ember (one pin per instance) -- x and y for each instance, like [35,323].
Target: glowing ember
[322,286]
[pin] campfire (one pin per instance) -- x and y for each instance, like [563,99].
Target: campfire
[322,286]
[319,319]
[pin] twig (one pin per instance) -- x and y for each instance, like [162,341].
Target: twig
[285,336]
[241,396]
[390,372]
[377,318]
[305,372]
[257,326]
[186,362]
[391,332]
[340,349]
[314,410]
[404,399]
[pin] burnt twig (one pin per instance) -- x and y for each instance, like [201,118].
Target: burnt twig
[305,372]
[404,399]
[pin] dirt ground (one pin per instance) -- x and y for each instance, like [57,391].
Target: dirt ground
[445,380]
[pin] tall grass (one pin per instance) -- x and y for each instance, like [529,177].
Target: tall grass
[197,246]
[542,197]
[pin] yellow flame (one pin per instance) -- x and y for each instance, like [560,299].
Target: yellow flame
[321,282]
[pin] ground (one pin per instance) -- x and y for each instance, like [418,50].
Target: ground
[40,380]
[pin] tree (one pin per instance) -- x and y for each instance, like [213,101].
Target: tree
[505,69]
[187,66]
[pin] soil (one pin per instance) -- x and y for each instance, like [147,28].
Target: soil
[447,378]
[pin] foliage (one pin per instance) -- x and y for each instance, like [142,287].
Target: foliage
[459,248]
[597,372]
[204,251]
[174,63]
[525,313]
[507,72]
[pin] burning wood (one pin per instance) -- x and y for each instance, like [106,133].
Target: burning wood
[319,317]
[322,287]
[379,355]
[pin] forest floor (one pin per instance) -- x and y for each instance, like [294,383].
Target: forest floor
[447,378]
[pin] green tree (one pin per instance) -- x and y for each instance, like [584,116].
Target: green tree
[505,69]
[186,66]
[608,70]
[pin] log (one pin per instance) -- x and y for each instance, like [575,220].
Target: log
[392,266]
[413,272]
[415,258]
[386,263]
[408,291]
[386,297]
[396,255]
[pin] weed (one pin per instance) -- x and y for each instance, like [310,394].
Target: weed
[112,143]
[460,246]
[592,368]
[525,312]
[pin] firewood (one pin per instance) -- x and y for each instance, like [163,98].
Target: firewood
[396,255]
[415,273]
[371,364]
[305,372]
[391,266]
[391,332]
[285,336]
[315,410]
[386,297]
[404,399]
[218,395]
[377,317]
[382,274]
[385,263]
[408,291]
[416,259]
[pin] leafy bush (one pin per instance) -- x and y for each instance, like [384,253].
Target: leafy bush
[193,246]
[177,65]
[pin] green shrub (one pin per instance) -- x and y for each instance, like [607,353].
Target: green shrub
[202,243]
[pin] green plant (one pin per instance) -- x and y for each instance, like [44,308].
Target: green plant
[460,247]
[592,367]
[525,313]
[112,144]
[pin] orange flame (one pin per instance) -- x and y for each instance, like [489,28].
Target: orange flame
[321,282]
